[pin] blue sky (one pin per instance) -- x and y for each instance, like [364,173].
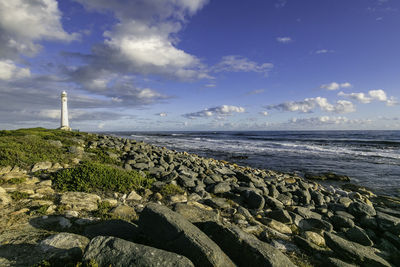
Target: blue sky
[201,65]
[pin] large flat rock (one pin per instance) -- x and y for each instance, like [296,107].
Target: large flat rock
[354,252]
[171,231]
[245,249]
[80,201]
[112,251]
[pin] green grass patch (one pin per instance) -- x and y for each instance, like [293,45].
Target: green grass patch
[16,195]
[101,156]
[26,147]
[94,177]
[171,189]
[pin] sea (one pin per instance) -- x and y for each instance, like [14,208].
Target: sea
[369,158]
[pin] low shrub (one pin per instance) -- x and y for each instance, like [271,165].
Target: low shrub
[93,177]
[16,195]
[171,189]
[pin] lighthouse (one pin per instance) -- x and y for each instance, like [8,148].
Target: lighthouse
[64,112]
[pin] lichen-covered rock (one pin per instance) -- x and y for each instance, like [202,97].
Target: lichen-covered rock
[80,201]
[64,246]
[196,214]
[112,251]
[41,166]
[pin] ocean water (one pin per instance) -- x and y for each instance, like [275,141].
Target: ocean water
[369,158]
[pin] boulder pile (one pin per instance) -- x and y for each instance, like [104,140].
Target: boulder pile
[216,213]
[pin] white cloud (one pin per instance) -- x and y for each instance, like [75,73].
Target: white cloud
[310,104]
[377,95]
[210,85]
[324,51]
[144,40]
[223,110]
[284,40]
[23,23]
[264,113]
[335,86]
[9,71]
[326,120]
[162,114]
[235,63]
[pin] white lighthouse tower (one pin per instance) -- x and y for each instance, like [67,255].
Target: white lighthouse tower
[64,112]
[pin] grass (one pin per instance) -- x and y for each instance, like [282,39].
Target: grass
[93,177]
[26,147]
[171,189]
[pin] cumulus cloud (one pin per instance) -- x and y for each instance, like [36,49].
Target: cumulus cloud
[335,86]
[264,113]
[9,71]
[144,39]
[372,95]
[308,105]
[326,120]
[223,110]
[235,63]
[284,40]
[161,114]
[24,23]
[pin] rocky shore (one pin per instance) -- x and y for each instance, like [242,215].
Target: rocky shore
[196,212]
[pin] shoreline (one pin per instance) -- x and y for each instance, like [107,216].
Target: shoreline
[260,211]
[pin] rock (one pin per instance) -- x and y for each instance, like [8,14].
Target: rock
[111,201]
[45,190]
[387,222]
[253,199]
[195,214]
[315,238]
[171,231]
[394,239]
[338,263]
[124,212]
[341,222]
[134,196]
[4,170]
[345,201]
[221,188]
[278,226]
[186,181]
[80,201]
[5,199]
[353,251]
[177,198]
[76,150]
[116,228]
[41,166]
[218,203]
[285,199]
[273,203]
[307,213]
[369,222]
[112,251]
[389,211]
[281,216]
[359,209]
[307,245]
[356,234]
[315,225]
[64,247]
[245,249]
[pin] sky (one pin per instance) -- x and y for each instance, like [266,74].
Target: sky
[141,65]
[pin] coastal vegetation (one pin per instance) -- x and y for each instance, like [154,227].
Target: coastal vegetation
[93,177]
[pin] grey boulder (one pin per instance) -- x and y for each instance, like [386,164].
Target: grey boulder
[112,251]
